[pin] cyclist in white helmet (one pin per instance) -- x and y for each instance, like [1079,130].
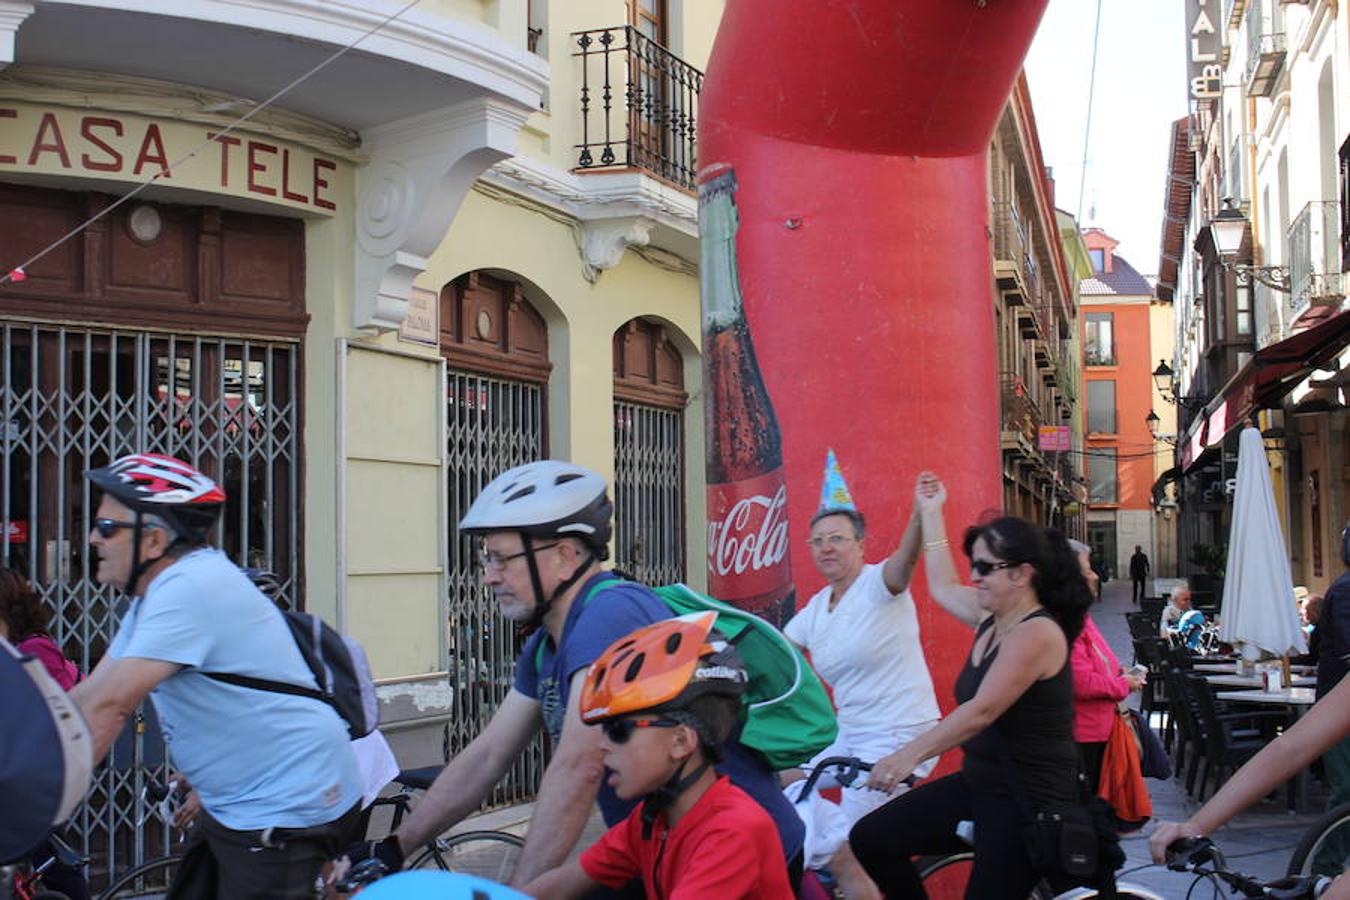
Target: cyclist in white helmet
[275,772]
[545,529]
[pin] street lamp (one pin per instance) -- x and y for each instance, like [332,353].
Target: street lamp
[1227,230]
[1163,379]
[1152,420]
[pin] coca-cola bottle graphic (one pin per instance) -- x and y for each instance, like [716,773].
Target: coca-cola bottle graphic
[748,560]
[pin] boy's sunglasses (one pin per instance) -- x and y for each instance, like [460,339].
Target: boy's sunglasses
[106,528]
[982,567]
[618,731]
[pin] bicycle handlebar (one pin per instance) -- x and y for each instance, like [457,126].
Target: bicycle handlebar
[361,875]
[1202,856]
[849,768]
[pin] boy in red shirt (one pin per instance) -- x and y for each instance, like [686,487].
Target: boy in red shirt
[667,697]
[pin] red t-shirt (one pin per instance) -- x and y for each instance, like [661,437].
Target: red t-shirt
[725,847]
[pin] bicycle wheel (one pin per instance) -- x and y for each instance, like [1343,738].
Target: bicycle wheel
[945,876]
[487,854]
[145,882]
[1325,846]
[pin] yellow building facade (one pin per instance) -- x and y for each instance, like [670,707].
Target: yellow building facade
[462,236]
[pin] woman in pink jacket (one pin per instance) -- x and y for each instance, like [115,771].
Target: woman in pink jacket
[1099,684]
[24,623]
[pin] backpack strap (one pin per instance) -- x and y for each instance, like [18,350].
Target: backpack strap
[609,581]
[265,684]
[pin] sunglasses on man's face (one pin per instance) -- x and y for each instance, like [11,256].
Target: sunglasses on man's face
[618,731]
[984,567]
[106,528]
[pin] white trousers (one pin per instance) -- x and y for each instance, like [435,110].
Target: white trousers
[827,822]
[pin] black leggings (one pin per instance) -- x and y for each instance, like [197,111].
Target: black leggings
[924,821]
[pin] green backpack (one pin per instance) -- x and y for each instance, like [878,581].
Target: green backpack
[788,715]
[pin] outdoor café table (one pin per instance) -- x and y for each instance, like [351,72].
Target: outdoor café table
[1298,699]
[1254,681]
[1230,668]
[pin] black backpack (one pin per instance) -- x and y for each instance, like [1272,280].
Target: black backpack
[340,669]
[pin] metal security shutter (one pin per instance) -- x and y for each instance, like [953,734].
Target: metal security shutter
[496,345]
[649,401]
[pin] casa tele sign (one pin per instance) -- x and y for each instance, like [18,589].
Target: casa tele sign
[121,147]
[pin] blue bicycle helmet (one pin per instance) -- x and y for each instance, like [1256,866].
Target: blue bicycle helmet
[424,885]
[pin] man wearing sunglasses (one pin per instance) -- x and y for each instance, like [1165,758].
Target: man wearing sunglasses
[275,773]
[545,529]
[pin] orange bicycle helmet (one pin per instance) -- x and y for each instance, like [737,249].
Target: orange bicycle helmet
[662,666]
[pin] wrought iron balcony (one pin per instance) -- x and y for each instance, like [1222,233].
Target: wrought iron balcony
[1265,62]
[1315,276]
[639,106]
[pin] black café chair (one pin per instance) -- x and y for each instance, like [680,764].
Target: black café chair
[1230,737]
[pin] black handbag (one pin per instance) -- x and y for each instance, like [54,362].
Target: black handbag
[1068,843]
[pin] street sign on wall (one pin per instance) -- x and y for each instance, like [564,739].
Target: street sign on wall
[1053,438]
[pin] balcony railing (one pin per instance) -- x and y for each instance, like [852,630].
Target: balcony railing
[1021,413]
[1315,275]
[1265,61]
[639,106]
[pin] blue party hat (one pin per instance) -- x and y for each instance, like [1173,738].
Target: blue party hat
[833,489]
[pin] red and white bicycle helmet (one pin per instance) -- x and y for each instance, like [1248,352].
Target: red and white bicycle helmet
[169,488]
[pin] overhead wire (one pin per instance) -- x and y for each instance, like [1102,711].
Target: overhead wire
[1087,129]
[216,137]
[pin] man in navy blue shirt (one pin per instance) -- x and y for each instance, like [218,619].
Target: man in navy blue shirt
[545,530]
[1332,662]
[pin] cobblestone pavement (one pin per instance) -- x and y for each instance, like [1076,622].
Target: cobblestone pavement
[1258,842]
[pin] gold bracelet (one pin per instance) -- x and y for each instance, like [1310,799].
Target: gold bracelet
[933,545]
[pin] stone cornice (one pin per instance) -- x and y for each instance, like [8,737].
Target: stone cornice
[603,195]
[474,52]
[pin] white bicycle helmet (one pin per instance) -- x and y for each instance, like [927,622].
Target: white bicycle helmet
[544,499]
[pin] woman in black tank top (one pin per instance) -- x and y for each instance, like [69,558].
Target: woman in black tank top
[1026,604]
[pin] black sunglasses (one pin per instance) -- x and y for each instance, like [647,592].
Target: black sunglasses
[106,528]
[983,567]
[618,731]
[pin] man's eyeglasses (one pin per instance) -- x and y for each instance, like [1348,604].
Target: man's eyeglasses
[983,567]
[496,561]
[618,731]
[106,528]
[833,540]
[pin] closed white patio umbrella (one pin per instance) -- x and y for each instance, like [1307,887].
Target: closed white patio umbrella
[1259,612]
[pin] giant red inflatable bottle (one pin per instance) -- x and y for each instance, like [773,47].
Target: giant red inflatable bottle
[858,135]
[748,561]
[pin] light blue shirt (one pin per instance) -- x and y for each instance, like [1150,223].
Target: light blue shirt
[258,759]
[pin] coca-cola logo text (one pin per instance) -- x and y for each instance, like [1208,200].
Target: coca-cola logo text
[752,536]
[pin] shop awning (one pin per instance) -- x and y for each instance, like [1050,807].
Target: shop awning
[1270,374]
[1275,369]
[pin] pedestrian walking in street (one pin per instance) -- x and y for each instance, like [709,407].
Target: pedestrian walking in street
[545,529]
[862,631]
[275,773]
[1139,569]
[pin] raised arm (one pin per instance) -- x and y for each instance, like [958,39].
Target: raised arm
[899,567]
[939,566]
